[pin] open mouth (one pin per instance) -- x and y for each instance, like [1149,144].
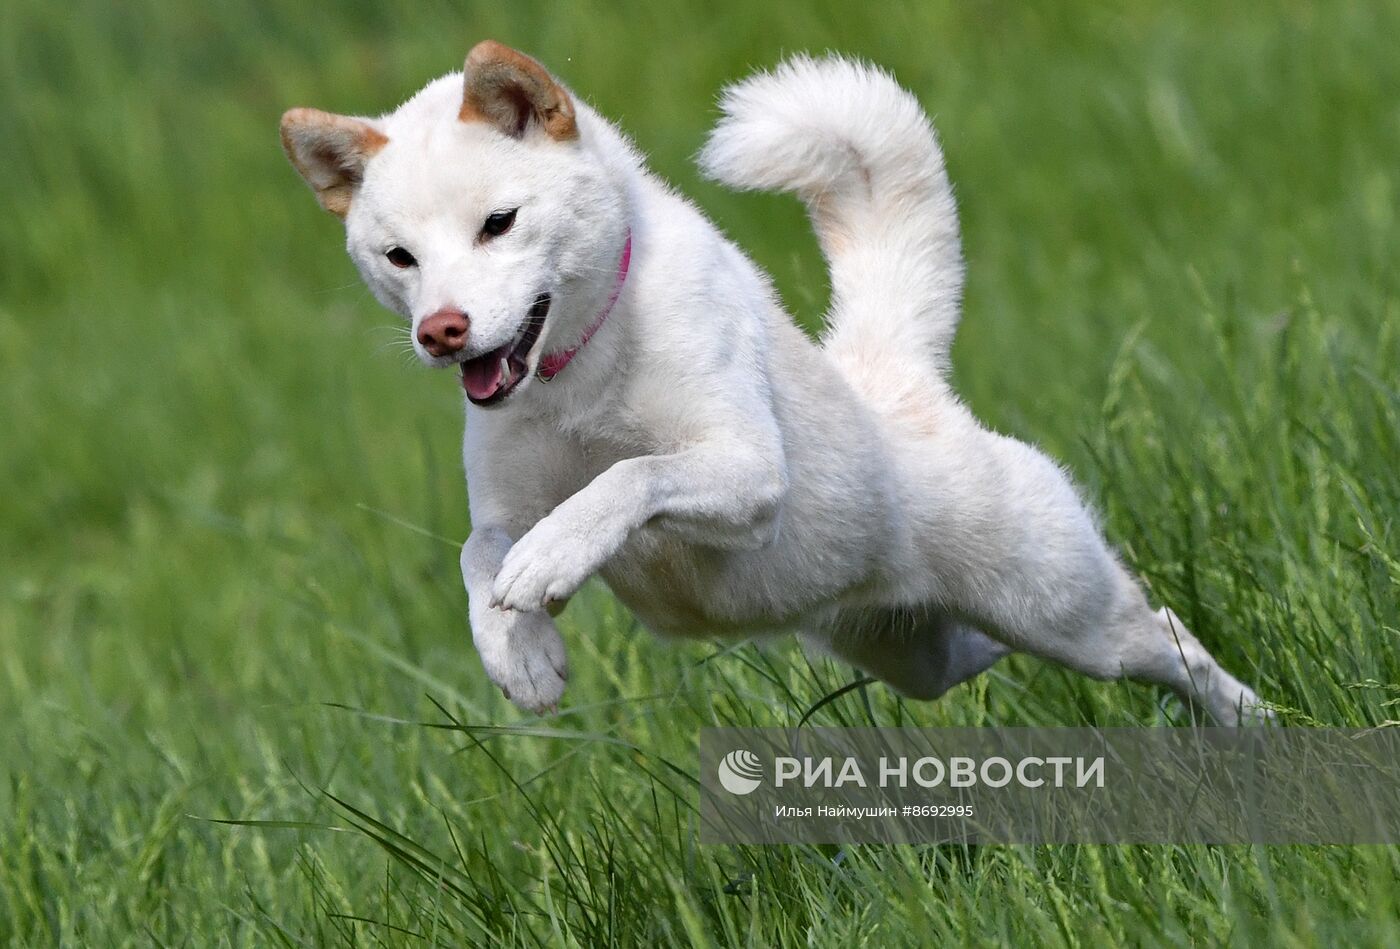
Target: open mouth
[490,378]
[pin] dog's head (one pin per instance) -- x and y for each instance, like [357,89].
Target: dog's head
[479,211]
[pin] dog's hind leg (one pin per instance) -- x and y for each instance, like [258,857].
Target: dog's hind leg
[918,652]
[1176,659]
[1119,636]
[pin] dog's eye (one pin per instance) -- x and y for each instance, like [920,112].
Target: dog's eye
[401,258]
[498,223]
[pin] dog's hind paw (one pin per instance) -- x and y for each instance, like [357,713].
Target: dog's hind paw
[1253,711]
[1245,709]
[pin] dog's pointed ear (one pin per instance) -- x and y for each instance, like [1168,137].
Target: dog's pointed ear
[509,90]
[330,152]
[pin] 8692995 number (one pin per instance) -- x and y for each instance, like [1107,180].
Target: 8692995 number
[937,810]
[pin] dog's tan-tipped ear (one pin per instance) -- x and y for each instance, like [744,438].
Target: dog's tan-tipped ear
[330,151]
[509,90]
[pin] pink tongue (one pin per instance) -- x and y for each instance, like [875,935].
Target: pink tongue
[482,377]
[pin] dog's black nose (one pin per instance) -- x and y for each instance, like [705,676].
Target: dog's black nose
[444,332]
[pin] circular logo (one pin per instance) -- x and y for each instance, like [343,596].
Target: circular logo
[740,772]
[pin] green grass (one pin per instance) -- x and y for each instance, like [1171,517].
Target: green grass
[228,582]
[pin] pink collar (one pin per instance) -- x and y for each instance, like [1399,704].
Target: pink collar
[551,364]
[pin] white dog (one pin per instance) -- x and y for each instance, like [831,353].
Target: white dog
[640,407]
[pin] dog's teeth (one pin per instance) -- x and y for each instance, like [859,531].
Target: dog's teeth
[505,368]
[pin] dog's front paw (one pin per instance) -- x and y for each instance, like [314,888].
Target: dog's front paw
[545,565]
[523,654]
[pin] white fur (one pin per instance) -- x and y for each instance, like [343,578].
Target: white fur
[721,472]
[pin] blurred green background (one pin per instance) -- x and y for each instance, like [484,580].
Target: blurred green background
[228,579]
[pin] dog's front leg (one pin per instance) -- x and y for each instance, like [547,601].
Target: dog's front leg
[722,495]
[522,652]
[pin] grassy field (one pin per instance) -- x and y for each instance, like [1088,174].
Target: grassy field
[228,570]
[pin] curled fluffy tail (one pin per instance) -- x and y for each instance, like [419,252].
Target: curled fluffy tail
[862,155]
